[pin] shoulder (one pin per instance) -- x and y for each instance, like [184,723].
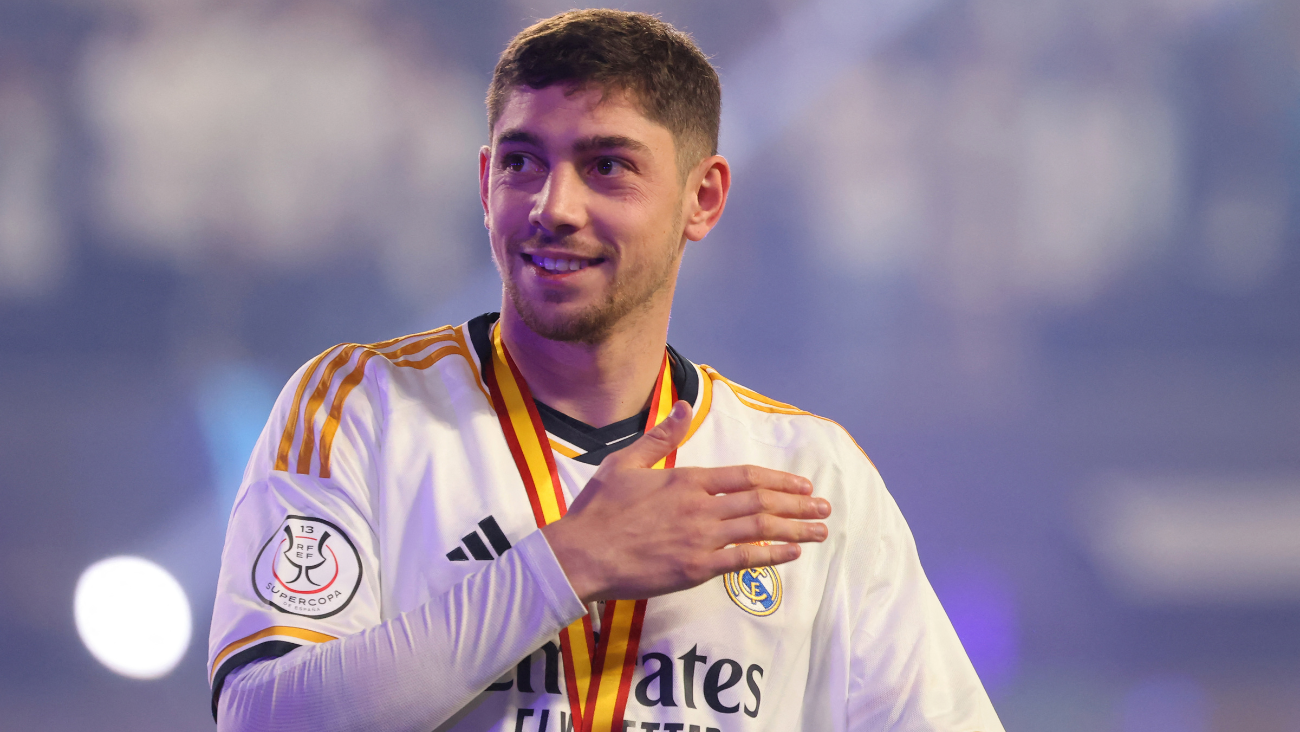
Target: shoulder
[781,425]
[350,386]
[348,362]
[746,426]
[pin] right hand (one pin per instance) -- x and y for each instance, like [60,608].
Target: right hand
[634,532]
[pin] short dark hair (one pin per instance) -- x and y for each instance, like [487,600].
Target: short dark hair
[661,66]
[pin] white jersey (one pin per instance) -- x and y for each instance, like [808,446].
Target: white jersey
[383,482]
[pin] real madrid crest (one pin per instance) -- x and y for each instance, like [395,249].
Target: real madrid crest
[757,591]
[308,567]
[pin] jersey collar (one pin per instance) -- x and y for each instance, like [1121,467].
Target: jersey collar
[591,443]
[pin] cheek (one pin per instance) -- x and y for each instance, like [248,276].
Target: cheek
[509,214]
[503,202]
[627,218]
[511,199]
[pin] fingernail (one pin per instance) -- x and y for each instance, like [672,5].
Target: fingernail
[820,531]
[823,507]
[679,410]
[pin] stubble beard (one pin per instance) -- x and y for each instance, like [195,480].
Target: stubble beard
[629,293]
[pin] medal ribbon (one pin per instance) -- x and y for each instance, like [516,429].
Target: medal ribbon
[598,677]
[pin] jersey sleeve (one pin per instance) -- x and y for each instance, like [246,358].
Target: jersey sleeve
[298,566]
[884,629]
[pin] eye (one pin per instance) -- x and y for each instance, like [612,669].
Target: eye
[608,166]
[514,162]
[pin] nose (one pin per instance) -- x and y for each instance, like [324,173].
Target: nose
[560,207]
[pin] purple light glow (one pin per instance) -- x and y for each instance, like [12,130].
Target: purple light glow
[980,600]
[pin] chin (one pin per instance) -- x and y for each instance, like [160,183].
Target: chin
[569,324]
[591,325]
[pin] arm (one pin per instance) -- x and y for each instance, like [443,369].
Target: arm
[279,660]
[418,669]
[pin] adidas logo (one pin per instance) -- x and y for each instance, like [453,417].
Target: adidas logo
[474,543]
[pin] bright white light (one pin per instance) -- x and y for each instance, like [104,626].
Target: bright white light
[133,616]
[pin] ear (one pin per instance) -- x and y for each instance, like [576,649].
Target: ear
[484,167]
[706,196]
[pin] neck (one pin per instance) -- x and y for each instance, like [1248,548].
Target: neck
[597,383]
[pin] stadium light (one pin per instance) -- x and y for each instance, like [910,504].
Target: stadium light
[133,616]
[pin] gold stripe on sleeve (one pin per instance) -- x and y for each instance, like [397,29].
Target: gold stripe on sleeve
[354,378]
[291,426]
[308,444]
[754,400]
[275,630]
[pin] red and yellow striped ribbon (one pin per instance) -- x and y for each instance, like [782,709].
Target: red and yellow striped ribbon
[598,677]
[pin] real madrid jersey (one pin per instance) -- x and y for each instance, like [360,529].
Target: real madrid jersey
[383,484]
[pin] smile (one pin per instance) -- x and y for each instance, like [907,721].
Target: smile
[557,265]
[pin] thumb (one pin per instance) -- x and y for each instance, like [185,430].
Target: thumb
[654,445]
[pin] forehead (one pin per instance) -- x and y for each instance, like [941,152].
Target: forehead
[560,113]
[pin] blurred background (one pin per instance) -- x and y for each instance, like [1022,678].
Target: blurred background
[1041,257]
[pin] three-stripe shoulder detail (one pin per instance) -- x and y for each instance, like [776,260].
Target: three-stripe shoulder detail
[751,398]
[309,430]
[754,400]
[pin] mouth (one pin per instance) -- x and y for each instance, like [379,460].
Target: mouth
[561,265]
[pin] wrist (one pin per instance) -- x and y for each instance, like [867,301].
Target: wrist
[574,559]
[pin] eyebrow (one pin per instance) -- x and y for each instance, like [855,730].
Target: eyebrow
[609,142]
[520,136]
[584,145]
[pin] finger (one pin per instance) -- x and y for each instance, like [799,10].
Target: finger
[765,527]
[774,503]
[736,478]
[655,445]
[747,556]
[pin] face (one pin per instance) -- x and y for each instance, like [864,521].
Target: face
[585,210]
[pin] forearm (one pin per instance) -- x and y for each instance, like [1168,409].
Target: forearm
[418,669]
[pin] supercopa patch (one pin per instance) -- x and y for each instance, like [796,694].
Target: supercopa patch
[308,567]
[757,591]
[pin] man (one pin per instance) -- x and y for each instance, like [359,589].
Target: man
[551,520]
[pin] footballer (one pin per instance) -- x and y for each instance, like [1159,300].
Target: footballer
[548,519]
